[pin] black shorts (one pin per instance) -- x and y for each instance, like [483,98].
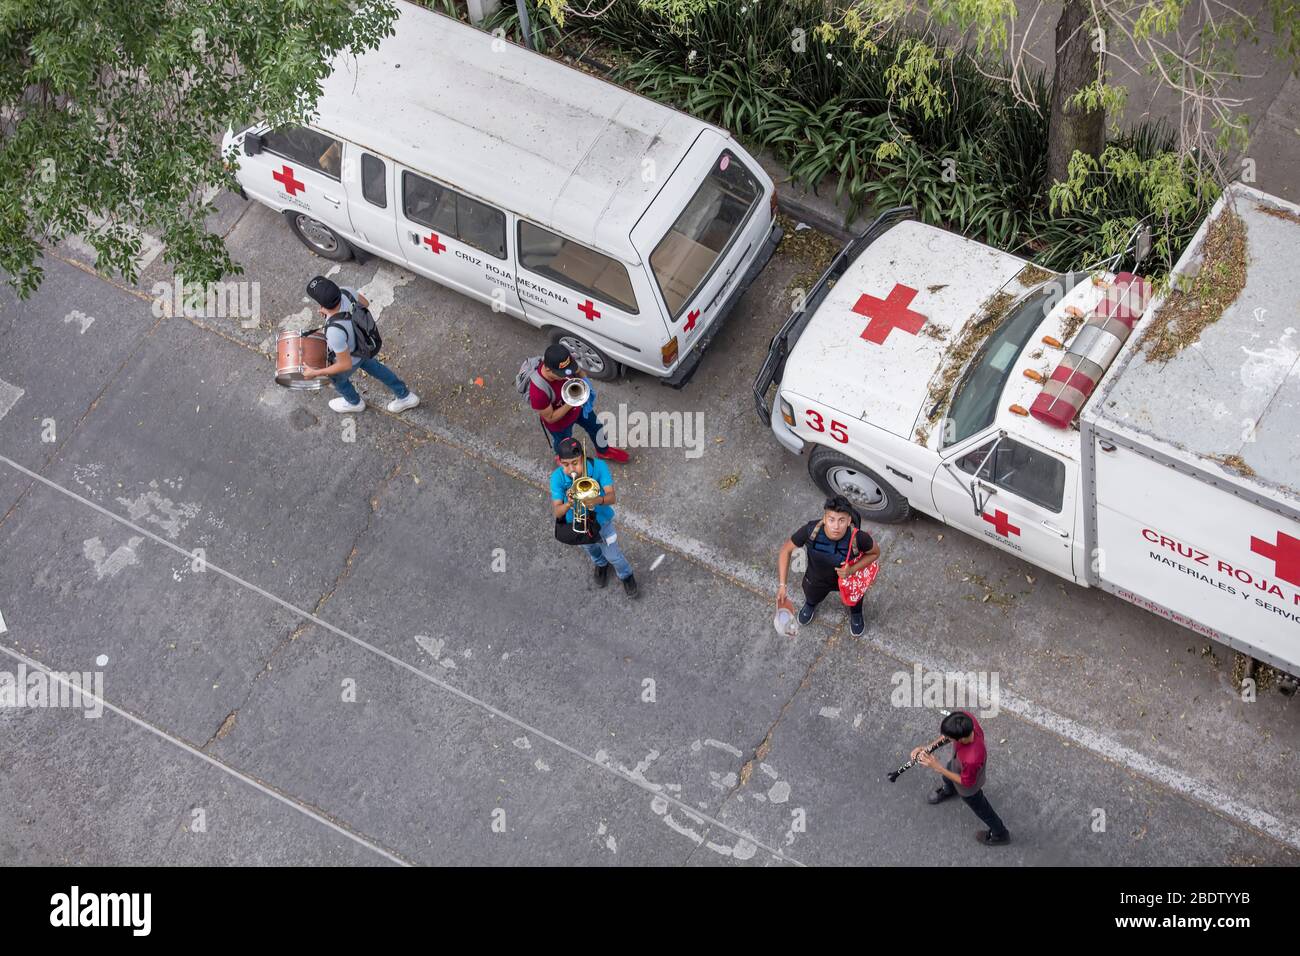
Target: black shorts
[816,589]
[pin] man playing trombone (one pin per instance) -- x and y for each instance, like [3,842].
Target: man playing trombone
[574,467]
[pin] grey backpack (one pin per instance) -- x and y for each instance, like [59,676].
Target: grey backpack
[529,372]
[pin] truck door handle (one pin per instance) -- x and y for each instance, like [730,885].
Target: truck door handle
[415,238]
[1055,530]
[329,199]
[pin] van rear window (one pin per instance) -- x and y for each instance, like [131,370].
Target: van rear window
[691,248]
[316,150]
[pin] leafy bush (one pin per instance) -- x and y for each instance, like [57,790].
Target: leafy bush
[833,113]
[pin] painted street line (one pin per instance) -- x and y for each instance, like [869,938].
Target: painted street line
[653,790]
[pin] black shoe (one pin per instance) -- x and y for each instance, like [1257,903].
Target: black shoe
[601,574]
[940,795]
[807,613]
[857,624]
[629,585]
[988,839]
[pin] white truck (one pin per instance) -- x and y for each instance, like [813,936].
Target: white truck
[1146,446]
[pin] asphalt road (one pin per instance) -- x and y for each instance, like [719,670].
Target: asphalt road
[347,676]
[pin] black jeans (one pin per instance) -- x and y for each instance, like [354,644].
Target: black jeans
[815,591]
[980,804]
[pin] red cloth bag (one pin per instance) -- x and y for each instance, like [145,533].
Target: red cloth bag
[853,586]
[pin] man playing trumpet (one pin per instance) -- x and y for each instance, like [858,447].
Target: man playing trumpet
[546,396]
[573,464]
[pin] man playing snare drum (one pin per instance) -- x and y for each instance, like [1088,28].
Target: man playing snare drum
[341,338]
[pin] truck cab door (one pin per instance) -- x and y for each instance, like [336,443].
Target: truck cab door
[1013,494]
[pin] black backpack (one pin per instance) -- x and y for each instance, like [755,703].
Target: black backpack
[365,331]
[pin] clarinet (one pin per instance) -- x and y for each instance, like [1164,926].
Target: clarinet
[894,774]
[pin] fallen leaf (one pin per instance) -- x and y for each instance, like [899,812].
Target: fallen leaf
[1029,578]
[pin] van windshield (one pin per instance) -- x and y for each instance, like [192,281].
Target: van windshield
[696,241]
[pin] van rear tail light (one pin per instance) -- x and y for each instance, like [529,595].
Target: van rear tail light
[1092,351]
[670,351]
[787,413]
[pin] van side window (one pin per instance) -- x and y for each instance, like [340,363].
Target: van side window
[578,267]
[374,180]
[1027,472]
[316,150]
[453,214]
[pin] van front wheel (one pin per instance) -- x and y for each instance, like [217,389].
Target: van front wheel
[318,237]
[590,359]
[875,498]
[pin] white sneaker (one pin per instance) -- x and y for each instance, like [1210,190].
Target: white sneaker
[343,405]
[402,404]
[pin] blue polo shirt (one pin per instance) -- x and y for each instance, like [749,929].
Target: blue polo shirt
[560,484]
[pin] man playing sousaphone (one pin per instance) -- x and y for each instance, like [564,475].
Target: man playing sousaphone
[595,511]
[840,558]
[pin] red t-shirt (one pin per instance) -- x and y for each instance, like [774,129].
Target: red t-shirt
[538,400]
[971,755]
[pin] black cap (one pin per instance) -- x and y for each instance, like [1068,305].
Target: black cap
[559,360]
[325,292]
[570,448]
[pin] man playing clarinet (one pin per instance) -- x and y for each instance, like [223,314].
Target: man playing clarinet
[964,774]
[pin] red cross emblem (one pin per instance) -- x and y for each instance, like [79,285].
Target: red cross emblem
[691,316]
[1001,522]
[285,177]
[1285,554]
[588,309]
[889,314]
[434,243]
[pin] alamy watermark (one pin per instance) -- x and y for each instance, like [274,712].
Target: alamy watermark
[947,690]
[209,300]
[639,429]
[39,688]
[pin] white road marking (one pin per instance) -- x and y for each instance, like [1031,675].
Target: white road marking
[1024,708]
[76,315]
[37,665]
[9,395]
[3,626]
[107,565]
[595,761]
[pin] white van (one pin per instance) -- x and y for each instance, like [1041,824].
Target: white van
[623,228]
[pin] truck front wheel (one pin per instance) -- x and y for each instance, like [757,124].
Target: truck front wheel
[875,498]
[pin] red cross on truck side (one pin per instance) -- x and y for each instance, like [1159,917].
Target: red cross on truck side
[691,316]
[1285,554]
[1001,522]
[588,309]
[285,178]
[434,243]
[889,313]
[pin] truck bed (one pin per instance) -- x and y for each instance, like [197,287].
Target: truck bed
[1192,463]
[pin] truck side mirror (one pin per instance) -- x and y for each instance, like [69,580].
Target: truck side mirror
[252,144]
[979,495]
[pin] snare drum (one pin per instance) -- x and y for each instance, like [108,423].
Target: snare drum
[295,352]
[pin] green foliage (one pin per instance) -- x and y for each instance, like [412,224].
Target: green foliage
[112,110]
[1139,178]
[890,121]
